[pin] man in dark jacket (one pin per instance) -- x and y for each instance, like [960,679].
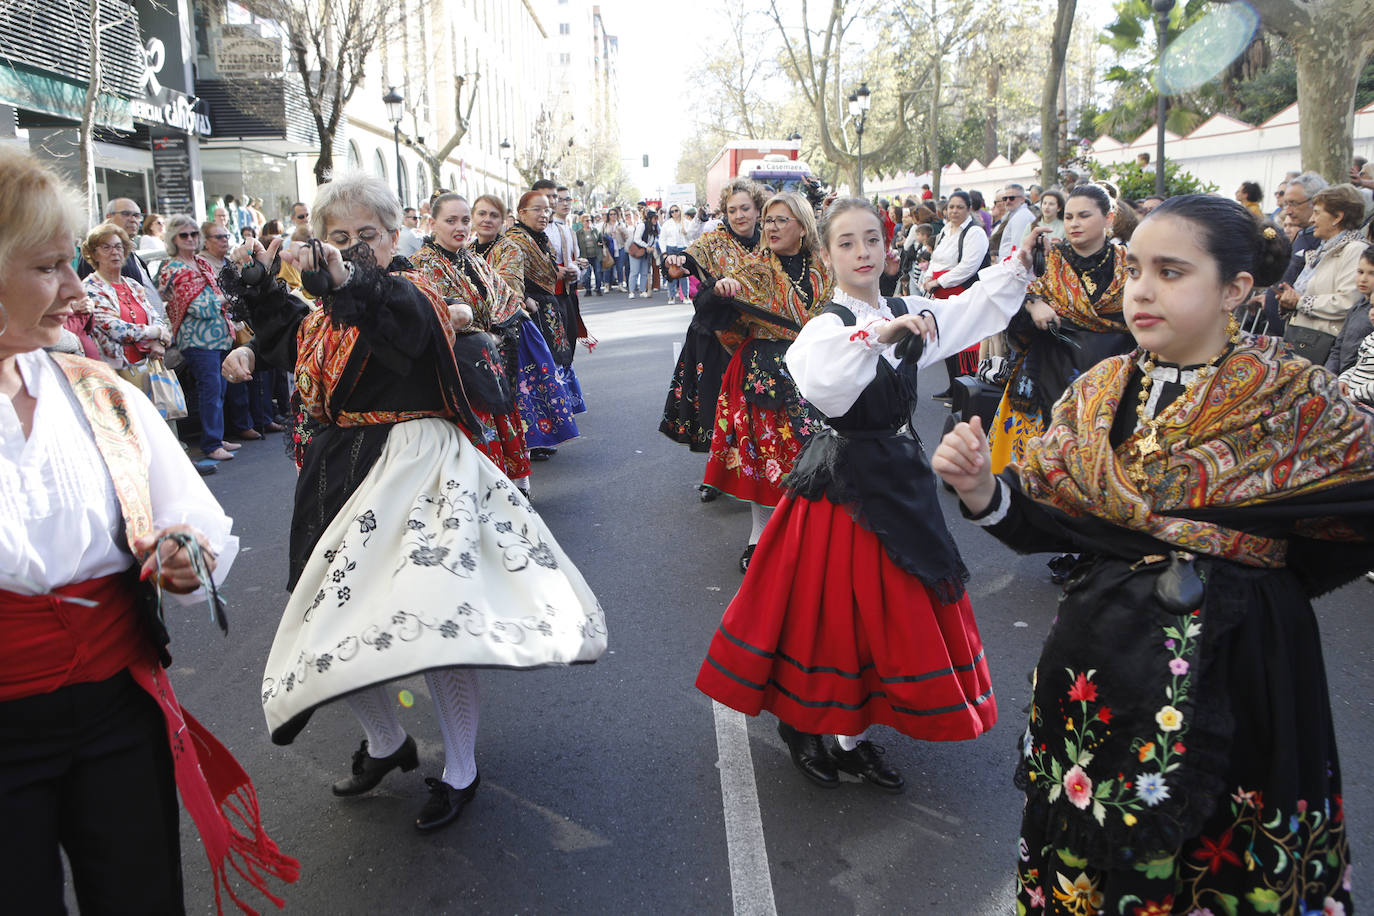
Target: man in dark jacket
[589,243]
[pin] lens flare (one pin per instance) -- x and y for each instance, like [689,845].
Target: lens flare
[407,698]
[1207,47]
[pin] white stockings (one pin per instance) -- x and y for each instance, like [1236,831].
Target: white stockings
[456,705]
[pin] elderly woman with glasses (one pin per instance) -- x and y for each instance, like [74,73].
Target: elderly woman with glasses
[199,318]
[124,325]
[410,551]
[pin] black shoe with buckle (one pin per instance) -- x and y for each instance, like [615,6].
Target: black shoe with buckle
[445,803]
[746,558]
[866,762]
[368,771]
[708,494]
[810,755]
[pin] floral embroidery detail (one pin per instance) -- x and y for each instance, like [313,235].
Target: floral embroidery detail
[1080,895]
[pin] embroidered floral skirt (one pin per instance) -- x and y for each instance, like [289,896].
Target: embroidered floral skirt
[504,442]
[829,635]
[1010,434]
[754,447]
[435,561]
[545,401]
[690,410]
[1182,763]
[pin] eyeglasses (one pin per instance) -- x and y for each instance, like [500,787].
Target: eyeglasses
[188,235]
[1011,198]
[776,221]
[130,213]
[1290,204]
[218,236]
[111,248]
[545,210]
[342,239]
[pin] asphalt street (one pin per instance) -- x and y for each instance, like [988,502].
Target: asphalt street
[600,787]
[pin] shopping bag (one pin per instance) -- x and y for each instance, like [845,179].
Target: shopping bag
[164,390]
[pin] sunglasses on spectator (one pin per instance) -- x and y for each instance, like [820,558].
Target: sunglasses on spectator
[1009,198]
[218,236]
[188,235]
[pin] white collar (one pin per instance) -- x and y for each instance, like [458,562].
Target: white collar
[862,310]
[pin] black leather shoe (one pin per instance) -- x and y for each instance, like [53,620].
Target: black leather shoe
[810,756]
[708,494]
[866,762]
[368,771]
[746,558]
[542,453]
[445,803]
[946,395]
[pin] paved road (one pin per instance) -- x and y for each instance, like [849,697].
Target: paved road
[600,786]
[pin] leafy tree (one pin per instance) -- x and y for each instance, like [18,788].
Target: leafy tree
[1136,183]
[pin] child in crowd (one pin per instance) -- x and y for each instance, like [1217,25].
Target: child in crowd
[1358,381]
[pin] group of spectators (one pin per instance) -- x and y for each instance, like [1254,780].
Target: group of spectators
[154,305]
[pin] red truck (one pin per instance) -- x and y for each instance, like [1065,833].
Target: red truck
[771,162]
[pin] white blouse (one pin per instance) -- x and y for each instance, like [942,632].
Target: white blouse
[60,521]
[832,363]
[946,253]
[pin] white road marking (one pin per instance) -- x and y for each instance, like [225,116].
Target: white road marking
[751,883]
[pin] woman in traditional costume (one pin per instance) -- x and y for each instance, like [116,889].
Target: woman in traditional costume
[959,252]
[690,412]
[761,421]
[462,275]
[534,275]
[410,550]
[101,507]
[1072,319]
[541,391]
[853,612]
[1180,755]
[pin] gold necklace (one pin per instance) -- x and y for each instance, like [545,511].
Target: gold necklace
[1086,277]
[795,284]
[1148,444]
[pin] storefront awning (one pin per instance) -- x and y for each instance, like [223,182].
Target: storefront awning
[60,98]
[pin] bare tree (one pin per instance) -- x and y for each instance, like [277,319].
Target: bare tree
[1332,41]
[331,43]
[545,148]
[815,59]
[433,157]
[1050,115]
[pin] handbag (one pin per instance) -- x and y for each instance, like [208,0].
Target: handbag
[164,390]
[636,250]
[607,262]
[483,372]
[1309,343]
[242,334]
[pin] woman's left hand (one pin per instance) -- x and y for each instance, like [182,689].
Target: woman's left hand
[1027,251]
[178,575]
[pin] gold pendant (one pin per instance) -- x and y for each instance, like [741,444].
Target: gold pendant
[1089,285]
[1150,443]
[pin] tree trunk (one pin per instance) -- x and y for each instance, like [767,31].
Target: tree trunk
[324,165]
[1049,96]
[1327,75]
[994,85]
[933,129]
[86,132]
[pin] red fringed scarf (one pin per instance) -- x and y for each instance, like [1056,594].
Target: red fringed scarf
[90,631]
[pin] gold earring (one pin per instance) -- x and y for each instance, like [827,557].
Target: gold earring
[1233,329]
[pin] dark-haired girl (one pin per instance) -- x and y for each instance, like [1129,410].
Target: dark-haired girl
[1180,756]
[854,612]
[1072,319]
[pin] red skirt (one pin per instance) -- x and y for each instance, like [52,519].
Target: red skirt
[507,449]
[753,447]
[968,358]
[831,636]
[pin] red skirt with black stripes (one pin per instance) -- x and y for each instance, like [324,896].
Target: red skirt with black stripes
[831,636]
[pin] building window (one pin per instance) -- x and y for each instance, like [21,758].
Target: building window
[564,28]
[355,157]
[379,165]
[565,59]
[404,180]
[421,183]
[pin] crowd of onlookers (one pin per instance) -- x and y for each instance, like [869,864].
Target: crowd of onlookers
[155,304]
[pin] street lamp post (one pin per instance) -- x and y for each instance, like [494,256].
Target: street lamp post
[1162,9]
[395,110]
[859,102]
[505,157]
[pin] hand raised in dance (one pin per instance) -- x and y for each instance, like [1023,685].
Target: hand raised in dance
[920,325]
[178,574]
[963,461]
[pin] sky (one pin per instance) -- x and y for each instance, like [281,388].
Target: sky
[657,45]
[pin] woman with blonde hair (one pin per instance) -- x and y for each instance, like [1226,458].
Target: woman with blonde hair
[761,420]
[101,507]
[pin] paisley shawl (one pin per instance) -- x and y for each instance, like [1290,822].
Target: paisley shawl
[507,261]
[450,276]
[775,308]
[1062,288]
[540,267]
[718,253]
[323,354]
[1267,427]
